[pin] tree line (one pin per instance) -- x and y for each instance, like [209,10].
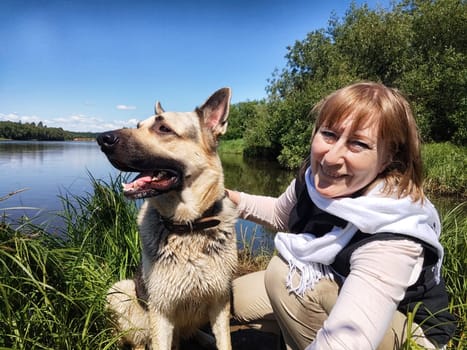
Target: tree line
[32,131]
[417,46]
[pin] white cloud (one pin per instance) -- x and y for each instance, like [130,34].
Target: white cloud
[125,108]
[76,122]
[14,117]
[133,122]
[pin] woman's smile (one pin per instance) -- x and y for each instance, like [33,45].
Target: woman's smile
[333,175]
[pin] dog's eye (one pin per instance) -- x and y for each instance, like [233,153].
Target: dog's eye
[164,129]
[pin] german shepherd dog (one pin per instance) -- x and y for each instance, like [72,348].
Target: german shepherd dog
[186,226]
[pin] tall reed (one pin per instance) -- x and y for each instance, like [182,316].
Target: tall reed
[53,287]
[454,241]
[103,223]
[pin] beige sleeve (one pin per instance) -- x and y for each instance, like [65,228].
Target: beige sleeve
[380,273]
[268,211]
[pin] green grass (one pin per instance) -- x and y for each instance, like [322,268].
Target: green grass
[232,146]
[53,287]
[445,169]
[454,241]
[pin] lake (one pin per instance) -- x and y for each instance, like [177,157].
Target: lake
[48,170]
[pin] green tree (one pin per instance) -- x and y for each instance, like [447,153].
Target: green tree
[417,46]
[29,131]
[241,115]
[436,78]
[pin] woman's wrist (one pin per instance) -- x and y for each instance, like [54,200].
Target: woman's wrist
[234,196]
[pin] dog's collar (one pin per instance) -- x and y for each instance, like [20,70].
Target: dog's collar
[197,225]
[208,219]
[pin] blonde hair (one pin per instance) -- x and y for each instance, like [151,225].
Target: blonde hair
[397,131]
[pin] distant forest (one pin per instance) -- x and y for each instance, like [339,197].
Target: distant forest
[39,131]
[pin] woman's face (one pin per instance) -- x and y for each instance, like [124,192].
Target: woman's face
[345,161]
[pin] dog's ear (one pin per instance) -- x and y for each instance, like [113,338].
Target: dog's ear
[158,108]
[215,111]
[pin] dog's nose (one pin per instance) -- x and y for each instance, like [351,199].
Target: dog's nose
[107,140]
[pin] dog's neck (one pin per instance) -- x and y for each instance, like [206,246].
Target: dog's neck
[208,219]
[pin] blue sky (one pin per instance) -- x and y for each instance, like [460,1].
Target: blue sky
[99,65]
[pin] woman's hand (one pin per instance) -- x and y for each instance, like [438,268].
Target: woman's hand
[234,196]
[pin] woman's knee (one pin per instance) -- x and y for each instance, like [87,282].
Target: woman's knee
[250,301]
[275,277]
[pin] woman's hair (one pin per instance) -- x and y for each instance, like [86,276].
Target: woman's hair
[397,131]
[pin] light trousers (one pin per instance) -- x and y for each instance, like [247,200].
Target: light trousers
[262,300]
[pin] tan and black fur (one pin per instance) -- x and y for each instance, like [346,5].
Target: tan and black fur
[186,226]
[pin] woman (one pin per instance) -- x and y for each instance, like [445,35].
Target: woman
[361,243]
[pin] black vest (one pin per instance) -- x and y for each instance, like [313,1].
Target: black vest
[432,315]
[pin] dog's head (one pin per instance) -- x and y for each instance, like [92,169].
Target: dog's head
[169,149]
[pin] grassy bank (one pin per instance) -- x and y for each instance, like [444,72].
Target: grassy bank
[53,286]
[53,289]
[232,146]
[444,167]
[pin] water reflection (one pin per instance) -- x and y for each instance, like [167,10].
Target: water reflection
[46,170]
[255,177]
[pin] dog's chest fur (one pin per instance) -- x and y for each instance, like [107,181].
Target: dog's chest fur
[185,271]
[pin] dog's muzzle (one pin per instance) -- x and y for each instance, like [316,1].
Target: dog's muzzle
[157,175]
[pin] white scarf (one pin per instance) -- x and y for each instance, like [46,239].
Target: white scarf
[373,213]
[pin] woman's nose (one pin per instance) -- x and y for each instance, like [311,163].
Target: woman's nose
[335,153]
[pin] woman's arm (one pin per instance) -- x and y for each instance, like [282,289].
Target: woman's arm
[268,211]
[380,274]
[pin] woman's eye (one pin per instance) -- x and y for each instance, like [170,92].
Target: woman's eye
[359,145]
[328,135]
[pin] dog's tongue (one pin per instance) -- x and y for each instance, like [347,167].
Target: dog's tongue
[138,183]
[148,184]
